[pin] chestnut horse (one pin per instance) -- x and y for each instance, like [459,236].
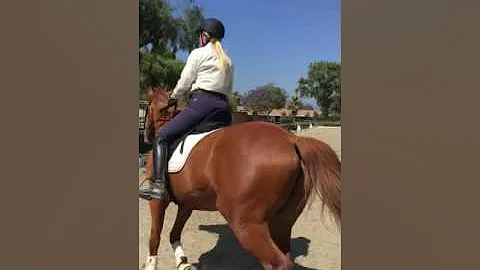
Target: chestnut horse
[256,174]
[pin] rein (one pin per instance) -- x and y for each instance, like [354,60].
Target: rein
[168,118]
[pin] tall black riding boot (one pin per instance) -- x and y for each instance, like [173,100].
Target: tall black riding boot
[158,188]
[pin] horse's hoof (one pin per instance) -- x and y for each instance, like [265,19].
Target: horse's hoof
[151,263]
[185,266]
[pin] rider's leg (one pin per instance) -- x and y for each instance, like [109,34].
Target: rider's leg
[198,107]
[157,189]
[177,126]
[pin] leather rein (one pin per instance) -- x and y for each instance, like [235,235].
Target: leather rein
[164,119]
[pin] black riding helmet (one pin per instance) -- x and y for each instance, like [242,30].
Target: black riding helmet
[213,27]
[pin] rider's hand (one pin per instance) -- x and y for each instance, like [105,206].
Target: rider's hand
[172,101]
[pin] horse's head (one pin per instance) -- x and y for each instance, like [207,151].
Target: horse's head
[157,112]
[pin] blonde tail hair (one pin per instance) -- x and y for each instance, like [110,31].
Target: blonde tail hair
[220,53]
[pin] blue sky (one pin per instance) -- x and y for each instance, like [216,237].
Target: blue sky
[275,40]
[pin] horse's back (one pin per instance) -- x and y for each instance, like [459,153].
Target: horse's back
[246,163]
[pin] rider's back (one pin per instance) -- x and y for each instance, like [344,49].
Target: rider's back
[207,71]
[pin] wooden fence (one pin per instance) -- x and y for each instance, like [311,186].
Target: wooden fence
[243,117]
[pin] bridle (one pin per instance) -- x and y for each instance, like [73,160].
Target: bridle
[166,117]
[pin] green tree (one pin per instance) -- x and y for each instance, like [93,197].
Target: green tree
[323,84]
[158,27]
[265,98]
[189,23]
[162,34]
[234,100]
[277,98]
[157,70]
[336,106]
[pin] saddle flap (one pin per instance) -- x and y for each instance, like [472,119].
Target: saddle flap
[182,151]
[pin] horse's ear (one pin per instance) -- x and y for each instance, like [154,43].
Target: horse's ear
[168,91]
[165,91]
[150,94]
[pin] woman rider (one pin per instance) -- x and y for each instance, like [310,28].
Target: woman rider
[208,75]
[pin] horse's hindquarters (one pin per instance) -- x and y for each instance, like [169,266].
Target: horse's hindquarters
[249,172]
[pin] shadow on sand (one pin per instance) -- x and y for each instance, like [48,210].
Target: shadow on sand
[229,255]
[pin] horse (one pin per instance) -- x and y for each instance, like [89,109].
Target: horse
[259,176]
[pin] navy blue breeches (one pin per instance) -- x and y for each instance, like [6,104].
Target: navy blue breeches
[201,104]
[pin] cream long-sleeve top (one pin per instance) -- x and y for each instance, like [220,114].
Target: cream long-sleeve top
[203,70]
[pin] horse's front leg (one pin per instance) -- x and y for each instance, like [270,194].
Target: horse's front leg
[157,212]
[183,214]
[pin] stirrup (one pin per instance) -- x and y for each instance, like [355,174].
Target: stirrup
[156,190]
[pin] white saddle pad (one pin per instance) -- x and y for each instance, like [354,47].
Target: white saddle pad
[177,161]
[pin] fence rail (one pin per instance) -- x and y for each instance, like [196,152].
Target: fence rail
[290,126]
[297,126]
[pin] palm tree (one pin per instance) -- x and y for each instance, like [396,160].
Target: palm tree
[294,105]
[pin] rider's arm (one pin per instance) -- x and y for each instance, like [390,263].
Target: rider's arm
[189,74]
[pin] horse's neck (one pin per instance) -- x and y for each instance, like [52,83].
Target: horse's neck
[163,119]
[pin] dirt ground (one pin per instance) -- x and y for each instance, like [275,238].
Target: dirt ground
[208,242]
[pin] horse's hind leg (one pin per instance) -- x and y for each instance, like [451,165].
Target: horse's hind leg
[183,214]
[281,235]
[281,230]
[269,240]
[157,212]
[281,224]
[255,238]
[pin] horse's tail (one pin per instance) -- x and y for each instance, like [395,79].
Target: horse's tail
[321,169]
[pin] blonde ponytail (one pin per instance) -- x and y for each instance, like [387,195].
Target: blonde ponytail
[220,53]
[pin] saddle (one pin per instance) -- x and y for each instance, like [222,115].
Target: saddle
[210,123]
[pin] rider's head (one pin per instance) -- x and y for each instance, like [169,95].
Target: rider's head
[211,29]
